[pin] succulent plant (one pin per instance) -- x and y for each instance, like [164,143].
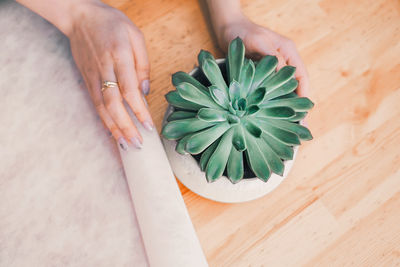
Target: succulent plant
[248,119]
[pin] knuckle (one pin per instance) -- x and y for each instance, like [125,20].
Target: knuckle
[119,47]
[112,104]
[128,94]
[138,33]
[121,54]
[113,129]
[105,59]
[126,128]
[99,107]
[141,112]
[144,68]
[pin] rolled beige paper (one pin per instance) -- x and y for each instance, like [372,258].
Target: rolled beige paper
[168,233]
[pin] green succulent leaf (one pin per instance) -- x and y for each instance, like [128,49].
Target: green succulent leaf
[182,77]
[235,105]
[177,101]
[256,97]
[297,104]
[205,156]
[295,128]
[240,113]
[246,77]
[284,89]
[232,119]
[203,55]
[235,167]
[253,109]
[219,96]
[195,95]
[177,129]
[234,91]
[298,116]
[274,162]
[290,95]
[242,104]
[286,137]
[252,128]
[218,160]
[256,158]
[276,112]
[231,109]
[238,139]
[235,59]
[250,114]
[264,69]
[282,150]
[200,141]
[214,75]
[212,115]
[181,144]
[180,115]
[279,78]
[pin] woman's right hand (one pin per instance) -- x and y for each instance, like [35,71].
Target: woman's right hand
[107,46]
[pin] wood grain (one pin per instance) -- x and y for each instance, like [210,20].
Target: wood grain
[340,206]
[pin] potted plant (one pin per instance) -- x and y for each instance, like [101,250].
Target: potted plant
[233,125]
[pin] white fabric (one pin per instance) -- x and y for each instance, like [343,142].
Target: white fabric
[64,199]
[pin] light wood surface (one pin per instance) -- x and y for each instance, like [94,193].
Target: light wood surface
[341,203]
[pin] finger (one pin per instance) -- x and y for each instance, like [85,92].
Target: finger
[93,84]
[110,124]
[128,82]
[281,60]
[261,46]
[114,105]
[141,61]
[293,58]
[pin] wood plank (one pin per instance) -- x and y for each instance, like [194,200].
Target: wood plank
[339,206]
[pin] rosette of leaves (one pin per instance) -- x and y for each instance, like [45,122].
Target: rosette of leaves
[248,118]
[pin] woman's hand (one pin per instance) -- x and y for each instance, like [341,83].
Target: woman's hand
[107,46]
[260,41]
[229,23]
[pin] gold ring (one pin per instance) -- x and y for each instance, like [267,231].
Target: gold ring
[108,84]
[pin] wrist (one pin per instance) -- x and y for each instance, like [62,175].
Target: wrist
[76,10]
[61,14]
[225,21]
[224,15]
[231,29]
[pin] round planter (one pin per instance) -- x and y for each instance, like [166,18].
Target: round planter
[188,172]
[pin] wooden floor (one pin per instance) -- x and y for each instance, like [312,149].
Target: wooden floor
[341,203]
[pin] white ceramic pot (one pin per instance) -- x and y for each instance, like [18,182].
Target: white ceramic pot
[188,172]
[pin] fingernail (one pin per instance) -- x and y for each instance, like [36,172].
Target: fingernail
[146,87]
[122,143]
[136,143]
[145,101]
[148,126]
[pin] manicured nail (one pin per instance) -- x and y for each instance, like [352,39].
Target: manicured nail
[148,126]
[136,143]
[122,143]
[146,87]
[145,101]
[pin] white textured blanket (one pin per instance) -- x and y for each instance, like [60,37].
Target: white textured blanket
[64,198]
